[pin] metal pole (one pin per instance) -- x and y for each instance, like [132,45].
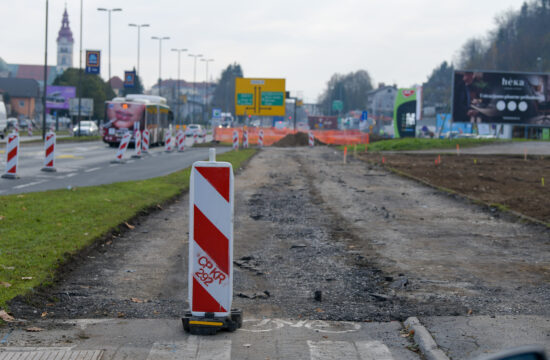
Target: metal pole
[80,72]
[109,46]
[194,81]
[178,87]
[160,66]
[45,77]
[139,36]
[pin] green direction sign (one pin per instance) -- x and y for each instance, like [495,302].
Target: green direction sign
[273,98]
[245,99]
[337,105]
[545,134]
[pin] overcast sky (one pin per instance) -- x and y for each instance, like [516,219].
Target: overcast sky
[304,41]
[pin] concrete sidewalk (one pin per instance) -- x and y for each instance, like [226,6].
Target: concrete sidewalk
[467,337]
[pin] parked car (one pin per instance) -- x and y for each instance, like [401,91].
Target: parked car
[87,128]
[193,129]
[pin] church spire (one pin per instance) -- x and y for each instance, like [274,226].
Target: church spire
[65,31]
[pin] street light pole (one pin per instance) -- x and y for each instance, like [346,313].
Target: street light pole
[45,77]
[206,61]
[179,51]
[194,78]
[109,11]
[160,58]
[80,72]
[139,41]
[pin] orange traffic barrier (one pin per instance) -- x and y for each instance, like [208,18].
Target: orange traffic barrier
[272,135]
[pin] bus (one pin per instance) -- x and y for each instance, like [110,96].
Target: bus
[151,112]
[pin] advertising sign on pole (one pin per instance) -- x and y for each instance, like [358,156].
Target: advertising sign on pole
[93,61]
[260,97]
[217,113]
[129,79]
[501,97]
[337,105]
[57,97]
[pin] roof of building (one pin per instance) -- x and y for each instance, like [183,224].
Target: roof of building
[65,31]
[116,83]
[36,72]
[19,87]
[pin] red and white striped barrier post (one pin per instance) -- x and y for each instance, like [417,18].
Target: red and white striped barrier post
[195,136]
[245,139]
[311,139]
[145,141]
[210,275]
[261,139]
[137,147]
[235,140]
[122,148]
[49,149]
[12,156]
[181,141]
[29,129]
[168,142]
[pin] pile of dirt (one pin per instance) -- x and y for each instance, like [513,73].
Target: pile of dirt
[298,139]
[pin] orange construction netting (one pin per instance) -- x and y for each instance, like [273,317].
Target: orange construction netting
[272,135]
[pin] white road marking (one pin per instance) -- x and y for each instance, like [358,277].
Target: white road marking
[92,169]
[373,350]
[363,350]
[70,175]
[29,354]
[194,348]
[29,184]
[329,350]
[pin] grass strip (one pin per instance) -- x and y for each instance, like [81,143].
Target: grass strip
[409,144]
[39,231]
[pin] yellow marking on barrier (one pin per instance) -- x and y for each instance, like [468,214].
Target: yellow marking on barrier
[195,322]
[69,157]
[2,151]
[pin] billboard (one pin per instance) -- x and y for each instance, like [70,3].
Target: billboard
[57,97]
[86,107]
[501,97]
[405,113]
[260,97]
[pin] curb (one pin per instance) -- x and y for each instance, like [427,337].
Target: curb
[425,342]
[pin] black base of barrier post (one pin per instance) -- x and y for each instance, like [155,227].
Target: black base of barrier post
[210,325]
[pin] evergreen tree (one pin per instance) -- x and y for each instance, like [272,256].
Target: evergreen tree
[224,94]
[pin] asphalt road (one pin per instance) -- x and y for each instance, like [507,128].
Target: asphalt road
[89,163]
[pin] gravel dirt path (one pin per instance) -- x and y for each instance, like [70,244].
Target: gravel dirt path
[317,239]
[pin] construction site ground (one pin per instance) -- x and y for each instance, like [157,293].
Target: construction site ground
[323,243]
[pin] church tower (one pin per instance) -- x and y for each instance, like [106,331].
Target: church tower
[64,45]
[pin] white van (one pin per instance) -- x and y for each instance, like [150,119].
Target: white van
[3,120]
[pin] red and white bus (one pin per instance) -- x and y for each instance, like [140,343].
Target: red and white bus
[152,113]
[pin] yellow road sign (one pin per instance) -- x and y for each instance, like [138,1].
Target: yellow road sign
[260,97]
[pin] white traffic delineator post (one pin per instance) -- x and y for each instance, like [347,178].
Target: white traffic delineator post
[137,147]
[245,139]
[311,139]
[122,148]
[145,142]
[168,142]
[49,149]
[235,140]
[261,139]
[210,275]
[12,156]
[29,129]
[181,141]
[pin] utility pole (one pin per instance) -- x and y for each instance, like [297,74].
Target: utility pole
[194,79]
[160,58]
[109,12]
[80,73]
[179,51]
[138,26]
[45,77]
